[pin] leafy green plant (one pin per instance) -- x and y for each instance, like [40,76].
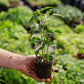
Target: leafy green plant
[44,2]
[16,14]
[43,41]
[79,29]
[70,14]
[13,36]
[5,2]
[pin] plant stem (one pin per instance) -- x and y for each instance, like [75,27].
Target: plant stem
[47,44]
[44,37]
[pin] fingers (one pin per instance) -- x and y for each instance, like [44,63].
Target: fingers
[51,77]
[42,80]
[47,80]
[32,56]
[34,76]
[39,80]
[53,69]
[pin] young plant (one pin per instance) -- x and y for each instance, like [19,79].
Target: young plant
[43,41]
[43,61]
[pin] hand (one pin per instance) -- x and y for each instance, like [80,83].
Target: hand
[28,69]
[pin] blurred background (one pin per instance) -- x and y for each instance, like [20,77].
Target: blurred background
[68,52]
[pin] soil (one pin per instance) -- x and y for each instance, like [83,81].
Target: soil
[44,68]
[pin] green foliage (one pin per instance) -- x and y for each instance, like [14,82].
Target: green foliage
[70,70]
[14,37]
[17,14]
[70,14]
[81,51]
[44,2]
[79,28]
[45,34]
[4,2]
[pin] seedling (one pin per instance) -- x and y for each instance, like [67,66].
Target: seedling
[44,39]
[43,61]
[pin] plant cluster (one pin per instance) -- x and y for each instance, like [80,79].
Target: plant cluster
[79,29]
[43,41]
[70,14]
[44,2]
[14,37]
[16,14]
[4,2]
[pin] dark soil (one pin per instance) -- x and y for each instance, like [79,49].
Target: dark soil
[44,68]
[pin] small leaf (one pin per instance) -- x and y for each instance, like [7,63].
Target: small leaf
[40,48]
[43,45]
[47,56]
[33,28]
[35,17]
[32,33]
[58,31]
[59,15]
[51,43]
[49,31]
[36,53]
[32,40]
[38,39]
[45,8]
[48,12]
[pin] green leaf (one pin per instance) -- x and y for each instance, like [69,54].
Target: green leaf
[48,12]
[58,15]
[32,40]
[36,52]
[51,43]
[32,33]
[43,45]
[47,56]
[45,8]
[33,28]
[49,31]
[35,17]
[38,39]
[58,31]
[40,48]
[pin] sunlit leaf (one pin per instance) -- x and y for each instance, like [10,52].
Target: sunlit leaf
[37,52]
[58,31]
[32,40]
[45,8]
[47,56]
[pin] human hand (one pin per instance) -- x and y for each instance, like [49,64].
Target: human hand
[28,69]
